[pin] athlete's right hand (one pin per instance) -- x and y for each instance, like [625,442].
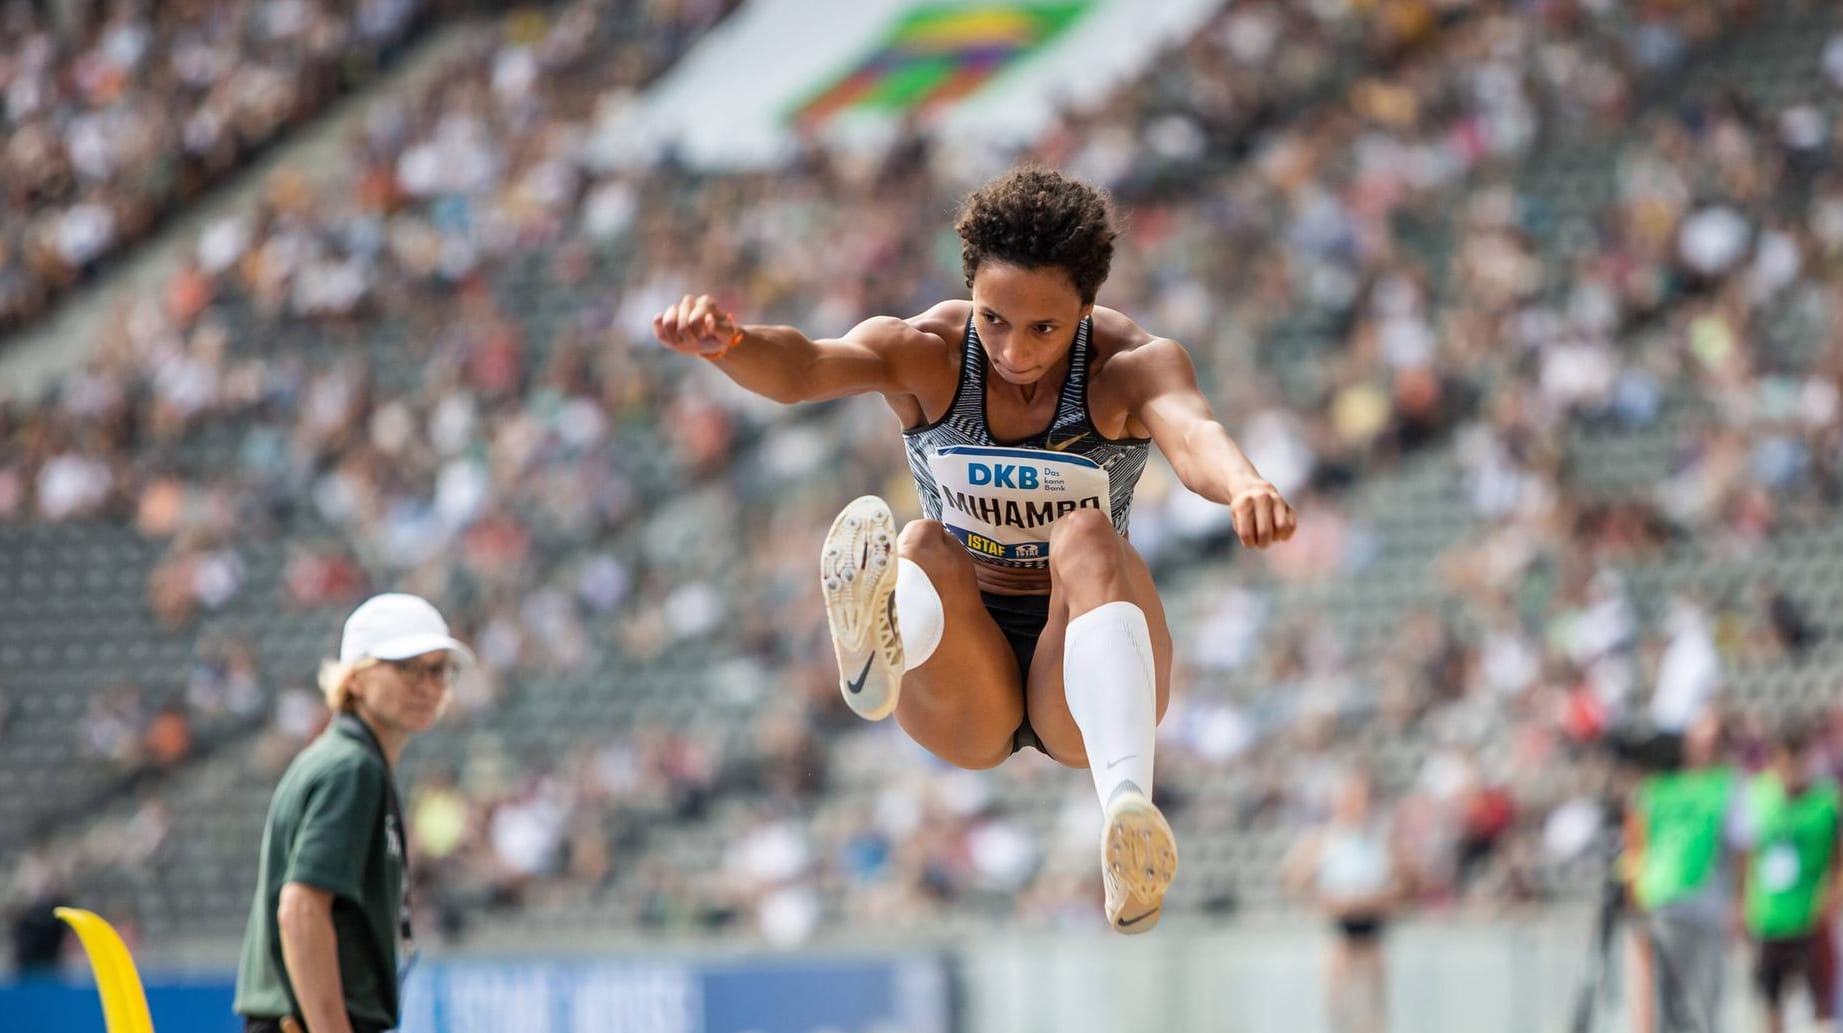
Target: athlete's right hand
[695,326]
[1262,517]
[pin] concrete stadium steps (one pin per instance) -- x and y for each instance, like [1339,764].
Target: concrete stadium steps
[1776,61]
[74,622]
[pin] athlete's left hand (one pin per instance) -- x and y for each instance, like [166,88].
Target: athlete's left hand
[1262,517]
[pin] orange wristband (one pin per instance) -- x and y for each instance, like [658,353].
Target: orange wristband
[735,339]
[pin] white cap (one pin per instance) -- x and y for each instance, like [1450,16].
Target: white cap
[397,626]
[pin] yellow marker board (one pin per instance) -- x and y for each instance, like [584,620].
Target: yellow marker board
[124,1003]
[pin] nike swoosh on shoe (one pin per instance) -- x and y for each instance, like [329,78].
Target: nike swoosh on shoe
[1127,923]
[856,685]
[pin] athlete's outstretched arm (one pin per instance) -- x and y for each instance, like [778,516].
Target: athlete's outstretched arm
[1205,458]
[781,363]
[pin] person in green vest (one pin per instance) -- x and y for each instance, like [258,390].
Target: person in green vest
[1790,875]
[1680,831]
[320,951]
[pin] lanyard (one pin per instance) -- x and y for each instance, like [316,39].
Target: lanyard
[350,724]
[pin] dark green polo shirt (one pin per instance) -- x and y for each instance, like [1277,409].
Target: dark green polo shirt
[327,828]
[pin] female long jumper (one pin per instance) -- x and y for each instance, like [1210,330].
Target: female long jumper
[1016,614]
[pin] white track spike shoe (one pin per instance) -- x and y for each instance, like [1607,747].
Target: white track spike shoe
[1138,860]
[857,573]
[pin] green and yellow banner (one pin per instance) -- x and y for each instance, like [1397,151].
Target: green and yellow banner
[978,75]
[935,55]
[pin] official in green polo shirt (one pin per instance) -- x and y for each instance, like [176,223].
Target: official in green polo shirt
[1681,835]
[320,952]
[1791,869]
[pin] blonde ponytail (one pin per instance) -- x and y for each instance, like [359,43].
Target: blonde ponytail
[336,681]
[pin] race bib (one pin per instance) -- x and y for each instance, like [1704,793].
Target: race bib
[1000,502]
[1778,869]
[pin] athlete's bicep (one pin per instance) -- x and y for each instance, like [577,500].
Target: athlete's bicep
[1167,399]
[871,357]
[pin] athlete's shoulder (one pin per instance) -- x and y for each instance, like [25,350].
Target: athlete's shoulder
[925,346]
[946,320]
[1119,340]
[929,332]
[1114,330]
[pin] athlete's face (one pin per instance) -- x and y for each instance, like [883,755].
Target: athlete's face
[1026,318]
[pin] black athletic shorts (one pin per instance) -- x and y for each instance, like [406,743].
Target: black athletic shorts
[1021,618]
[1796,957]
[252,1025]
[1361,928]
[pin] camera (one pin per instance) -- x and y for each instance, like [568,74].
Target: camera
[1645,748]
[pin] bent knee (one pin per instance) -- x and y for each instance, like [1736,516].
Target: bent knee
[928,543]
[1086,538]
[938,726]
[1070,753]
[1082,528]
[976,756]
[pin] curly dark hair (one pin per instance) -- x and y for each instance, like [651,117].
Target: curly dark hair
[1037,218]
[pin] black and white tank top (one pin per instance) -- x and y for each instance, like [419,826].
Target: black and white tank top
[1000,497]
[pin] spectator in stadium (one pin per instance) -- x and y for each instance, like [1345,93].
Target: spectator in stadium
[1679,835]
[38,934]
[1355,872]
[135,108]
[320,951]
[1789,876]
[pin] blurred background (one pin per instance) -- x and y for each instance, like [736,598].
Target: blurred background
[1533,309]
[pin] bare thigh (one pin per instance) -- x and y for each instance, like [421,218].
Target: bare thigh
[965,703]
[1048,705]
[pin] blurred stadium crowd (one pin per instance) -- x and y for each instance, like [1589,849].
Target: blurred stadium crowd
[1534,310]
[109,129]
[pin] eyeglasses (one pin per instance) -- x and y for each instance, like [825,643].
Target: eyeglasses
[443,671]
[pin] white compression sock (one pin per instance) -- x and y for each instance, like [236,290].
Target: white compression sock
[919,616]
[1112,688]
